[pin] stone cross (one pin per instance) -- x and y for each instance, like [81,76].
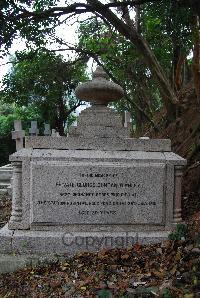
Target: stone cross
[47,129]
[33,131]
[18,134]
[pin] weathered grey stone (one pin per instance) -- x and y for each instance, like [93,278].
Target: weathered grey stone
[95,186]
[127,118]
[99,90]
[6,240]
[69,243]
[113,144]
[88,155]
[174,159]
[101,131]
[33,131]
[47,129]
[73,130]
[94,119]
[24,222]
[6,172]
[18,134]
[67,194]
[30,242]
[169,198]
[152,237]
[5,179]
[21,155]
[11,263]
[98,121]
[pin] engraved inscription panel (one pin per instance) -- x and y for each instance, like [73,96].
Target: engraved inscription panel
[84,193]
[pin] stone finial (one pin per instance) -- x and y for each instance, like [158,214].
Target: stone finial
[99,91]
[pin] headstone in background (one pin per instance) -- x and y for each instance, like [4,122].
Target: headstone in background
[18,134]
[47,129]
[33,130]
[53,132]
[5,177]
[127,118]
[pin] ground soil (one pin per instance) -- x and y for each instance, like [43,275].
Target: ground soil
[170,269]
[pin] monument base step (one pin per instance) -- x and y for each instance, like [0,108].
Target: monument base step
[13,262]
[42,242]
[3,191]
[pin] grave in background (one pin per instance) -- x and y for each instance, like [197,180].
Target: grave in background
[96,188]
[5,179]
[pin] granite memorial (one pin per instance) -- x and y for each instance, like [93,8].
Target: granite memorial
[95,188]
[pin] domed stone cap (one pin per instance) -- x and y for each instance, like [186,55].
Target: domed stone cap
[99,90]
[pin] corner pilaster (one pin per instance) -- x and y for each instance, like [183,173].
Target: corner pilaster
[16,215]
[178,171]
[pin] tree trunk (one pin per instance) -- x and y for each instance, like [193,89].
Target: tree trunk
[178,79]
[196,60]
[167,93]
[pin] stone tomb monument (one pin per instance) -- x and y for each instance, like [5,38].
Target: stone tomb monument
[96,188]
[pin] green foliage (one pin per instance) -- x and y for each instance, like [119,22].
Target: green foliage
[40,5]
[34,30]
[6,124]
[7,147]
[180,233]
[168,24]
[9,113]
[45,83]
[124,64]
[166,293]
[197,240]
[104,294]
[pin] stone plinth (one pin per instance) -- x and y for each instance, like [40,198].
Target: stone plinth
[96,189]
[67,192]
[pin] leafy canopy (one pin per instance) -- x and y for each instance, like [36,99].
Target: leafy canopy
[46,81]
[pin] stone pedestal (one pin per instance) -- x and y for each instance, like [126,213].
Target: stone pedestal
[97,188]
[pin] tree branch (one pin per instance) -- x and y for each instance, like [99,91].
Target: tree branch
[128,3]
[56,11]
[78,104]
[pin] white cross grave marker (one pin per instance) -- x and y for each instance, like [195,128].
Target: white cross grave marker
[18,134]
